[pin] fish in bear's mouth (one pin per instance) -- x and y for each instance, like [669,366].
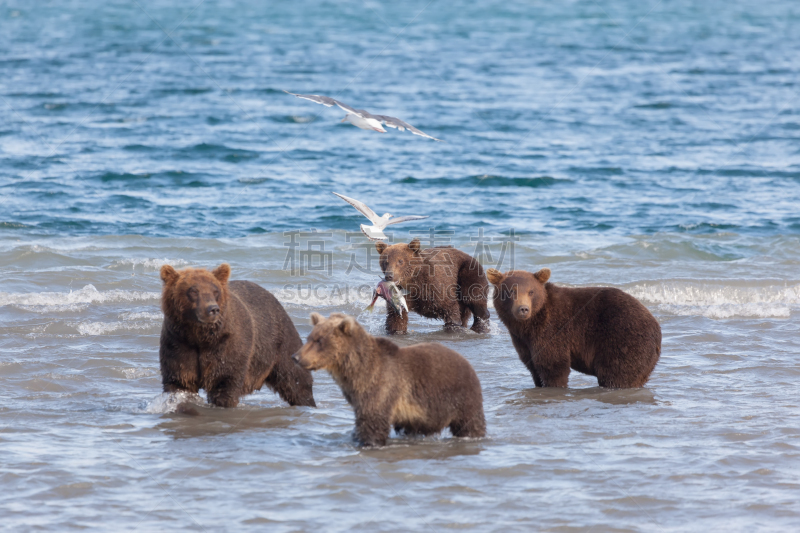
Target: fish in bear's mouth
[389,291]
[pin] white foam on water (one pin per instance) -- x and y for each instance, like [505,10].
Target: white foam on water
[129,321]
[135,373]
[47,302]
[167,402]
[142,315]
[104,328]
[147,265]
[718,301]
[47,309]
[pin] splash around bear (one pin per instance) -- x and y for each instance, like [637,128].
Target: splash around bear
[418,389]
[228,338]
[599,331]
[441,282]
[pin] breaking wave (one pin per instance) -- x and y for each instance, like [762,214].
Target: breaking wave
[169,402]
[48,302]
[717,300]
[146,265]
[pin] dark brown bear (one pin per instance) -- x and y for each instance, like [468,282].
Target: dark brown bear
[440,282]
[229,338]
[599,331]
[420,389]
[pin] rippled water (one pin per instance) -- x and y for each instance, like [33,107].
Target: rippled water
[651,146]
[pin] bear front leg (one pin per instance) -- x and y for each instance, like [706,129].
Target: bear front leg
[372,428]
[292,382]
[396,323]
[552,369]
[178,363]
[525,356]
[225,392]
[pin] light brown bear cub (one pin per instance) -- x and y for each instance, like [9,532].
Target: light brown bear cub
[599,331]
[420,389]
[440,282]
[227,337]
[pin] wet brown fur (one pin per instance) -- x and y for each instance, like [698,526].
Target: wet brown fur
[441,282]
[599,331]
[230,351]
[419,389]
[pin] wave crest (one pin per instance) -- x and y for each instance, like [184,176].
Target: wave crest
[46,302]
[718,300]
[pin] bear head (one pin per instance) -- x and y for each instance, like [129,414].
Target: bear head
[328,343]
[195,294]
[517,293]
[399,262]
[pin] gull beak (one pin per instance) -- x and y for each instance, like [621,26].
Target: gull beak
[344,119]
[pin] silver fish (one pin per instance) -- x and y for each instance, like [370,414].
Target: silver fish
[393,296]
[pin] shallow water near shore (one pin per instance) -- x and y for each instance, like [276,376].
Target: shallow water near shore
[648,147]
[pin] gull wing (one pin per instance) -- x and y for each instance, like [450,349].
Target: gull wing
[327,101]
[394,122]
[398,220]
[362,208]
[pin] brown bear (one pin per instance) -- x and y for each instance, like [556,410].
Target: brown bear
[420,389]
[599,331]
[441,282]
[229,338]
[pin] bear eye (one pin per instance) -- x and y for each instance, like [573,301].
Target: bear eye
[216,294]
[192,293]
[400,262]
[530,293]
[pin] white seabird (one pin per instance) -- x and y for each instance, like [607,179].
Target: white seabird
[364,119]
[375,232]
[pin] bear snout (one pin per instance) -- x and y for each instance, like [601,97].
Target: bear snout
[388,276]
[210,314]
[522,311]
[297,357]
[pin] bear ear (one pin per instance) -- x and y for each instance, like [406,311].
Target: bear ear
[543,275]
[222,272]
[381,246]
[414,246]
[316,318]
[494,276]
[348,325]
[169,274]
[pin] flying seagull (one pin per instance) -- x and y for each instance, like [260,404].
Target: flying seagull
[364,119]
[375,232]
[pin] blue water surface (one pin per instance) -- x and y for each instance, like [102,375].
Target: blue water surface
[584,119]
[647,145]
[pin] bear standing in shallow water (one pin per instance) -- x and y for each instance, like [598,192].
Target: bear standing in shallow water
[229,338]
[420,389]
[440,282]
[600,331]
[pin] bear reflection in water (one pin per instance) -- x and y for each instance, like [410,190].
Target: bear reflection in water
[419,389]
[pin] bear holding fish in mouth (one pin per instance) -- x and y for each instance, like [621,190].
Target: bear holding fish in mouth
[440,282]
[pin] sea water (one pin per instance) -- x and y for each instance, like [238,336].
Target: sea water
[649,146]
